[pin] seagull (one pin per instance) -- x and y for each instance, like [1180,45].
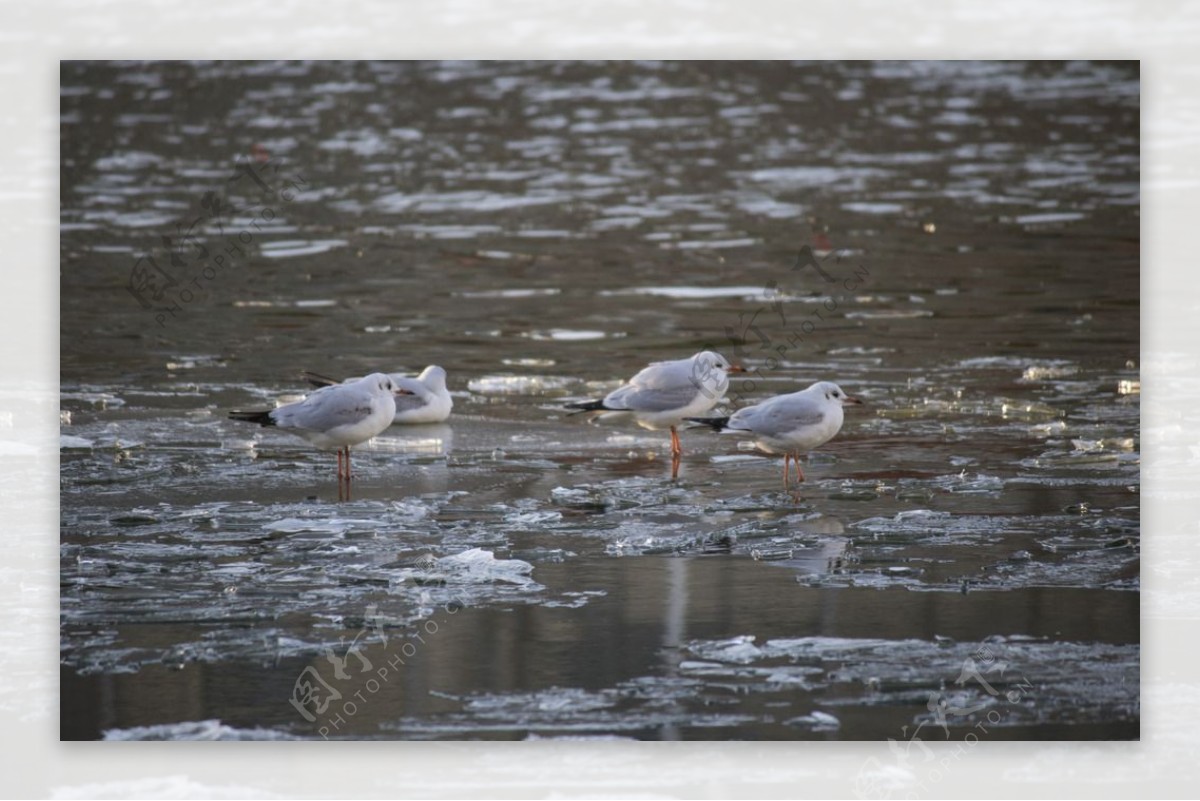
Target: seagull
[336,416]
[423,399]
[665,394]
[789,424]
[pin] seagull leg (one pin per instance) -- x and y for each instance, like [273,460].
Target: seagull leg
[786,459]
[676,453]
[344,479]
[341,474]
[799,477]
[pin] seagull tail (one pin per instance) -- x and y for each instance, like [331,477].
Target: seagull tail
[715,423]
[587,406]
[262,418]
[318,380]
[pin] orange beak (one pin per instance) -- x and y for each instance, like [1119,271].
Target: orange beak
[736,368]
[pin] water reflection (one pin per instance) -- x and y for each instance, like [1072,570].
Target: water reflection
[678,661]
[434,439]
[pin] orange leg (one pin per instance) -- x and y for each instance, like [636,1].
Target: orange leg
[794,459]
[343,474]
[676,453]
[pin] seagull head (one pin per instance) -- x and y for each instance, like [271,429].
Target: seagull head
[834,394]
[706,361]
[380,382]
[433,377]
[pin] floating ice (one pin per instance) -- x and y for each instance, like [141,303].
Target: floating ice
[736,649]
[817,721]
[533,518]
[568,334]
[97,400]
[471,566]
[1049,218]
[510,293]
[519,384]
[1044,372]
[67,442]
[746,292]
[293,525]
[300,247]
[194,730]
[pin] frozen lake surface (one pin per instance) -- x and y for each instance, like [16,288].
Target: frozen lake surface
[966,551]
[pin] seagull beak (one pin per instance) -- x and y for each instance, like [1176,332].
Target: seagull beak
[403,392]
[736,368]
[849,399]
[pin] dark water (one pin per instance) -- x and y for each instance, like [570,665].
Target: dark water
[542,231]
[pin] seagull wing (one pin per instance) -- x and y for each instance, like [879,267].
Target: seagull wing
[327,409]
[779,415]
[651,399]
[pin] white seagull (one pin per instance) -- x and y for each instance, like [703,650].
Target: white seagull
[335,417]
[789,424]
[423,399]
[665,394]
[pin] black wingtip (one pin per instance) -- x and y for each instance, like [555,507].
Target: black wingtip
[318,380]
[586,406]
[262,418]
[715,423]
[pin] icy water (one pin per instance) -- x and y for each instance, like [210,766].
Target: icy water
[964,557]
